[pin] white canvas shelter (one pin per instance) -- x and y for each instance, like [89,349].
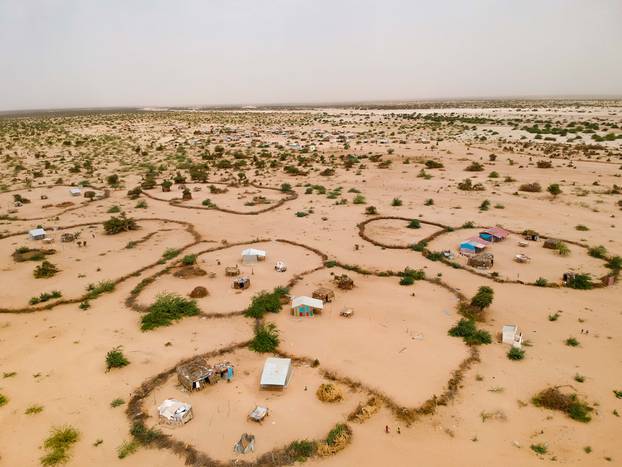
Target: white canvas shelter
[276,373]
[252,255]
[308,301]
[175,412]
[37,234]
[75,191]
[511,335]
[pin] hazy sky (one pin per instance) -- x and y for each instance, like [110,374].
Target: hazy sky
[79,53]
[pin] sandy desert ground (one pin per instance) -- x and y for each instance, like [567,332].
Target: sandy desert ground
[381,195]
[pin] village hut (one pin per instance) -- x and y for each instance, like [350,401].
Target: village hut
[325,294]
[494,234]
[473,245]
[511,335]
[552,243]
[199,292]
[37,234]
[306,306]
[245,445]
[68,237]
[344,282]
[276,373]
[232,271]
[175,413]
[75,191]
[252,255]
[280,266]
[481,260]
[197,373]
[241,283]
[259,413]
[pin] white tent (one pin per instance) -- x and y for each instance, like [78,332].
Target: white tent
[37,234]
[252,255]
[75,191]
[276,373]
[175,412]
[511,335]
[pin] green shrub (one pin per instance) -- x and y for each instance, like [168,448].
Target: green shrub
[419,246]
[483,298]
[266,302]
[554,189]
[516,354]
[117,402]
[33,409]
[614,263]
[580,281]
[58,445]
[286,188]
[359,199]
[414,224]
[266,338]
[467,330]
[127,448]
[541,282]
[432,164]
[570,404]
[167,308]
[539,448]
[116,359]
[407,280]
[170,253]
[597,252]
[474,167]
[396,202]
[45,270]
[95,290]
[582,228]
[116,225]
[4,400]
[300,451]
[189,260]
[114,209]
[572,342]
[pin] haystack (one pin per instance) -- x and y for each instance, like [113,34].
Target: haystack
[199,292]
[344,282]
[328,392]
[363,412]
[337,440]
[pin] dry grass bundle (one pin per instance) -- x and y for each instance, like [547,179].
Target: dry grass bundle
[328,392]
[363,412]
[338,438]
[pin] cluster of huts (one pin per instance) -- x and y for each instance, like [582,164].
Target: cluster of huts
[474,247]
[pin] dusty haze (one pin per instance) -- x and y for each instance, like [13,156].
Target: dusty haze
[117,53]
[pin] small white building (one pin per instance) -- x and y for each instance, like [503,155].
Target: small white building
[511,335]
[306,306]
[75,191]
[37,234]
[252,255]
[174,412]
[276,373]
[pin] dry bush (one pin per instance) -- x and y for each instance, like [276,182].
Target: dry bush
[328,392]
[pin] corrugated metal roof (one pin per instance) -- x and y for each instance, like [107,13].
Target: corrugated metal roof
[312,302]
[275,371]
